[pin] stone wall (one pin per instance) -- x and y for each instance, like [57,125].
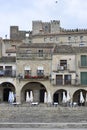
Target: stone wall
[45,27]
[16,34]
[0,47]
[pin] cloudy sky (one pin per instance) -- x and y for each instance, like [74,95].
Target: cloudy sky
[71,13]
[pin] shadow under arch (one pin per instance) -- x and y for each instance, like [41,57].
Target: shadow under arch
[38,90]
[58,96]
[5,88]
[76,96]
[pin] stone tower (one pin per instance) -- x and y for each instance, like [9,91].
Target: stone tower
[55,26]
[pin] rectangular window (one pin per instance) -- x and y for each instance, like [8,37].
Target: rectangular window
[59,79]
[69,39]
[1,67]
[27,71]
[57,38]
[83,60]
[8,70]
[40,72]
[46,28]
[40,52]
[45,39]
[1,71]
[28,53]
[67,79]
[8,67]
[63,64]
[83,78]
[51,38]
[81,38]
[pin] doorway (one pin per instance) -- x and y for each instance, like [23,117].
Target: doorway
[42,91]
[55,97]
[6,94]
[59,79]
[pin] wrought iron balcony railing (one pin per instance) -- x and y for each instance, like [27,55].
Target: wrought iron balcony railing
[65,82]
[36,77]
[7,73]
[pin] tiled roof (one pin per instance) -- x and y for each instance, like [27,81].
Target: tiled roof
[8,59]
[37,45]
[69,49]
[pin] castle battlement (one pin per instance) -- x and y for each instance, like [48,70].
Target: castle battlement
[74,30]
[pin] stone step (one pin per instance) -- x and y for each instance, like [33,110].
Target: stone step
[42,113]
[43,125]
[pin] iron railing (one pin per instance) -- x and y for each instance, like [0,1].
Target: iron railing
[65,82]
[7,73]
[36,77]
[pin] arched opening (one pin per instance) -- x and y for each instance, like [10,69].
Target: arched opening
[76,97]
[6,94]
[42,91]
[6,87]
[37,89]
[58,96]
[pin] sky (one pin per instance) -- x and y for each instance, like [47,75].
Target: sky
[71,13]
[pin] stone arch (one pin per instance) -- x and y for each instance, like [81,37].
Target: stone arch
[76,96]
[38,90]
[4,90]
[58,96]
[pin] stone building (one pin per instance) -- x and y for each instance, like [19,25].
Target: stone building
[46,59]
[50,32]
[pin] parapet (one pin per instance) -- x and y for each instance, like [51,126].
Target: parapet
[39,27]
[74,30]
[16,34]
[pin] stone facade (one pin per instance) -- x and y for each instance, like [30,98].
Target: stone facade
[47,59]
[0,47]
[50,32]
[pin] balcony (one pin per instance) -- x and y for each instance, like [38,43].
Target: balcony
[62,68]
[7,73]
[62,82]
[28,77]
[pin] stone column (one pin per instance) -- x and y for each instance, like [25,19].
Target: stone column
[1,95]
[71,100]
[18,97]
[86,99]
[18,92]
[36,95]
[59,97]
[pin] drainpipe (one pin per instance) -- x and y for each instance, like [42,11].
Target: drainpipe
[51,67]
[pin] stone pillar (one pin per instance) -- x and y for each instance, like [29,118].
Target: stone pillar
[1,95]
[18,92]
[18,96]
[36,95]
[63,79]
[86,99]
[71,100]
[59,97]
